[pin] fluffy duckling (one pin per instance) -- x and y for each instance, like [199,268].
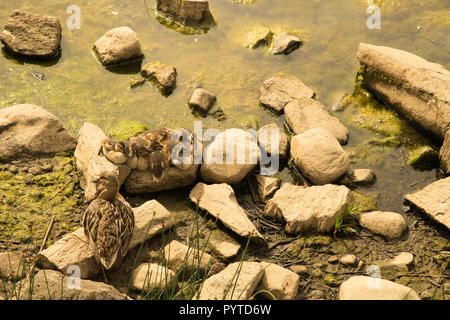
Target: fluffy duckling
[108,223]
[115,151]
[142,152]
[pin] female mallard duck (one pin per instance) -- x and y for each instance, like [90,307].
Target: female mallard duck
[108,223]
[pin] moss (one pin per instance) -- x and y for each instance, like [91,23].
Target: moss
[362,203]
[126,129]
[440,244]
[314,241]
[171,23]
[424,158]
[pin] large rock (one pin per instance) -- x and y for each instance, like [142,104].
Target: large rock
[32,34]
[90,164]
[188,12]
[306,113]
[434,200]
[11,265]
[230,157]
[236,282]
[319,156]
[308,209]
[368,288]
[279,90]
[280,144]
[415,87]
[163,75]
[151,276]
[151,219]
[27,130]
[388,224]
[220,201]
[53,285]
[444,154]
[118,45]
[179,256]
[280,282]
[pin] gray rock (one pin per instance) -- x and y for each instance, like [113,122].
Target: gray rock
[280,282]
[434,200]
[279,90]
[284,44]
[188,12]
[202,100]
[32,34]
[163,75]
[403,259]
[27,130]
[348,260]
[178,256]
[11,266]
[151,276]
[362,176]
[224,247]
[444,154]
[265,137]
[388,224]
[266,186]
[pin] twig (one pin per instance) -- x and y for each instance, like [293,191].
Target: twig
[44,241]
[63,187]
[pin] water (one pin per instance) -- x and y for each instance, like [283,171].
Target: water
[78,89]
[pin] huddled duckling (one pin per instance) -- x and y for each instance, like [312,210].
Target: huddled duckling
[118,152]
[108,223]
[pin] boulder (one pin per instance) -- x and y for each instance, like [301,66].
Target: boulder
[308,209]
[202,100]
[444,154]
[151,276]
[27,130]
[280,282]
[90,164]
[188,12]
[415,87]
[178,256]
[53,285]
[319,156]
[306,113]
[237,281]
[362,176]
[220,201]
[266,187]
[11,266]
[387,224]
[230,157]
[434,200]
[32,34]
[284,44]
[280,89]
[118,45]
[163,75]
[264,135]
[151,219]
[369,288]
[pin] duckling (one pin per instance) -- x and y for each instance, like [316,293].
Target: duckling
[108,223]
[142,152]
[113,150]
[158,160]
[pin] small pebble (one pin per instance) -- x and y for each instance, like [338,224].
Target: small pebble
[29,178]
[333,259]
[300,269]
[348,260]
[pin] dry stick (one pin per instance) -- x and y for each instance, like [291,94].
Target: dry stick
[63,187]
[42,245]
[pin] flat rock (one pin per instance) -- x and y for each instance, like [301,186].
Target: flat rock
[163,75]
[319,156]
[151,219]
[32,34]
[90,164]
[273,141]
[401,261]
[348,260]
[151,276]
[368,288]
[220,201]
[444,154]
[434,200]
[266,186]
[11,266]
[27,130]
[188,12]
[284,44]
[308,209]
[236,282]
[388,224]
[118,45]
[306,113]
[415,87]
[280,282]
[178,256]
[300,269]
[224,248]
[53,285]
[202,100]
[230,157]
[362,176]
[280,89]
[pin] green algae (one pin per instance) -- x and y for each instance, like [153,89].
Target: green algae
[126,129]
[362,203]
[424,158]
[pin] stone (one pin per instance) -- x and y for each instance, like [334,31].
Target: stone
[179,256]
[388,224]
[424,158]
[202,100]
[306,113]
[257,37]
[280,89]
[362,176]
[27,131]
[280,282]
[53,285]
[434,200]
[230,157]
[11,266]
[237,281]
[151,219]
[300,269]
[348,260]
[266,144]
[444,154]
[284,44]
[163,75]
[225,249]
[188,12]
[151,276]
[308,209]
[413,86]
[266,187]
[220,201]
[32,35]
[369,288]
[333,259]
[319,156]
[402,259]
[90,164]
[118,45]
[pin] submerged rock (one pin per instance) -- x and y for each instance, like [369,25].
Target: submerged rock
[163,75]
[424,158]
[434,200]
[151,276]
[118,45]
[280,282]
[444,154]
[266,144]
[388,224]
[188,12]
[416,88]
[284,44]
[32,34]
[202,100]
[279,90]
[27,130]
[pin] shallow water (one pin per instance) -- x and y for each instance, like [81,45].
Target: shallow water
[77,88]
